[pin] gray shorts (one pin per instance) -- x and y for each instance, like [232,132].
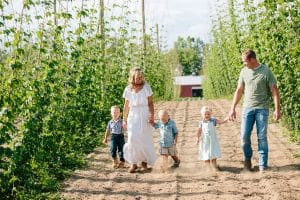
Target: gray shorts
[168,150]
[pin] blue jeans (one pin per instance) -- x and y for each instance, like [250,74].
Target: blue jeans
[117,143]
[260,116]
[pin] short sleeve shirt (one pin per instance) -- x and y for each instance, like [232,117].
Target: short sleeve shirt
[167,132]
[138,98]
[257,86]
[212,119]
[115,127]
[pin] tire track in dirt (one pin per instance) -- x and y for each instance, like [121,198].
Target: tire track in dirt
[190,181]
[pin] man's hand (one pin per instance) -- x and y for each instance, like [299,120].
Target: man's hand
[105,141]
[276,115]
[232,115]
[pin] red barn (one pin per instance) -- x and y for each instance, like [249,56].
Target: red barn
[190,86]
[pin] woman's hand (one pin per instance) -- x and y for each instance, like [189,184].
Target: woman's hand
[151,119]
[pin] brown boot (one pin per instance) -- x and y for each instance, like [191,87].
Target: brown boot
[176,164]
[115,163]
[247,165]
[133,168]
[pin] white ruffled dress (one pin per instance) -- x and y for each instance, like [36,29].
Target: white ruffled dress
[209,146]
[139,147]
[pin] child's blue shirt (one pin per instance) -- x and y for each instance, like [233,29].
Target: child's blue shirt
[167,132]
[115,127]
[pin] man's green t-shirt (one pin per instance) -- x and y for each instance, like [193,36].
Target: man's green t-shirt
[257,86]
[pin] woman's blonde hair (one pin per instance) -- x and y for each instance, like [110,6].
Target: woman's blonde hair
[135,72]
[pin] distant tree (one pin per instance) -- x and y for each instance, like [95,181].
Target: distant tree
[190,54]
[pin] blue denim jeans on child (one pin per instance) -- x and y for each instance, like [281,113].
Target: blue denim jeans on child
[260,116]
[117,143]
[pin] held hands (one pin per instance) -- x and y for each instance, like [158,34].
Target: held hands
[226,119]
[151,119]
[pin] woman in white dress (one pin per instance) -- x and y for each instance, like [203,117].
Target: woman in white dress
[138,115]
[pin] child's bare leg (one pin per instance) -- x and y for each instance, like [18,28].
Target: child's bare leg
[176,161]
[207,165]
[214,164]
[175,158]
[164,163]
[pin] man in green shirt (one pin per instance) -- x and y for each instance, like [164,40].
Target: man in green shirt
[258,84]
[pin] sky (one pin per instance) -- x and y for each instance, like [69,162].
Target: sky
[182,17]
[178,17]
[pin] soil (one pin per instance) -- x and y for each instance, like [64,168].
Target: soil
[191,180]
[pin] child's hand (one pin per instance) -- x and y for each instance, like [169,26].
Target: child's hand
[226,119]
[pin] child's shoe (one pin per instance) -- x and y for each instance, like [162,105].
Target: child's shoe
[176,164]
[115,163]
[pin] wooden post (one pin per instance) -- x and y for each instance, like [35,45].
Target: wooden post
[101,17]
[55,11]
[102,47]
[157,38]
[144,33]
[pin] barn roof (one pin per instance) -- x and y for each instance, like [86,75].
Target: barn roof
[188,80]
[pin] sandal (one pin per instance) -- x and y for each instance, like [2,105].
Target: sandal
[145,167]
[133,168]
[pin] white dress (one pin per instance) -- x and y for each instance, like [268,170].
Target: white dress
[209,147]
[139,147]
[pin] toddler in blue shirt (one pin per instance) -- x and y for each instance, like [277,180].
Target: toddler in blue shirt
[168,138]
[114,127]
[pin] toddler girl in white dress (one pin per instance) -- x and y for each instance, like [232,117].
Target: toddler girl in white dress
[209,149]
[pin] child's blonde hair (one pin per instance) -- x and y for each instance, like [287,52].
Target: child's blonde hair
[135,72]
[163,112]
[204,109]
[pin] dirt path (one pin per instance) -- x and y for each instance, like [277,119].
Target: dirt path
[190,181]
